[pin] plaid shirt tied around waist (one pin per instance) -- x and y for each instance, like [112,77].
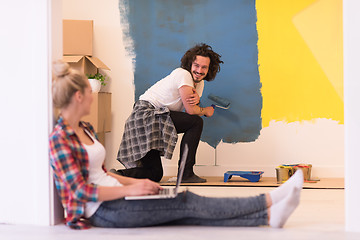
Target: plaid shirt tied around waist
[70,163]
[147,128]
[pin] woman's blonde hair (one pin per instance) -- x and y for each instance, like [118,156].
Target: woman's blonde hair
[66,81]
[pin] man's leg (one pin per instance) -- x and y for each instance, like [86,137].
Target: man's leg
[151,168]
[191,126]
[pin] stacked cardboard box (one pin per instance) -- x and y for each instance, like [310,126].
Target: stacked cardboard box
[78,46]
[78,53]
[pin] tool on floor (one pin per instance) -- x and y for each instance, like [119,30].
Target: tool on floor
[220,102]
[285,171]
[252,176]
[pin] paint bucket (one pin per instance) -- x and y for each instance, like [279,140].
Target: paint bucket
[283,173]
[306,168]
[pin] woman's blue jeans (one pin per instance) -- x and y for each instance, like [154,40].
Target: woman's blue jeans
[186,209]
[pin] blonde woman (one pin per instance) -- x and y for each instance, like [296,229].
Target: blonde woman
[93,197]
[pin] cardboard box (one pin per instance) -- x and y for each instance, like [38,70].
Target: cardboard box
[78,37]
[85,64]
[100,112]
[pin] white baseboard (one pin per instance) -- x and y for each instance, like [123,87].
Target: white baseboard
[269,171]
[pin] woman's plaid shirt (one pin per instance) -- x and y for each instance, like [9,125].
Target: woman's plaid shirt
[70,163]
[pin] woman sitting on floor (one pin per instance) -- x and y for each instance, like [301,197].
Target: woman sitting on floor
[92,196]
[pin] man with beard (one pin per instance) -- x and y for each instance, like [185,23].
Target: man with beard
[158,116]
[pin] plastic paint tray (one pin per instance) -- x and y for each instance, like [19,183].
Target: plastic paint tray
[252,176]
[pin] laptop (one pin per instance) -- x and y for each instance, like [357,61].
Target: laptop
[167,192]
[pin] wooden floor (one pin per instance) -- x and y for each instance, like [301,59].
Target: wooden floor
[320,215]
[236,181]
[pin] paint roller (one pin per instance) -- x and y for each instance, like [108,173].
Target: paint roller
[220,102]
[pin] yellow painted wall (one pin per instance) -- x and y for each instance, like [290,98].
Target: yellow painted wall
[300,60]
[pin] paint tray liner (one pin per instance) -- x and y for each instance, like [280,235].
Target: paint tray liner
[252,176]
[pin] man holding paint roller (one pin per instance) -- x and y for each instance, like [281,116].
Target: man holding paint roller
[158,116]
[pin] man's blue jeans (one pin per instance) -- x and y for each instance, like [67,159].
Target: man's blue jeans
[186,209]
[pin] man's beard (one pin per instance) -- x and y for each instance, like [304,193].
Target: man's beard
[195,74]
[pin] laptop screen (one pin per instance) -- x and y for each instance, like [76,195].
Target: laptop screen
[182,166]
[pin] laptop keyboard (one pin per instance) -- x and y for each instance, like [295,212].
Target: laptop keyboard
[165,191]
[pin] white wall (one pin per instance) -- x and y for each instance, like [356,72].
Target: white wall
[352,113]
[57,211]
[109,48]
[24,103]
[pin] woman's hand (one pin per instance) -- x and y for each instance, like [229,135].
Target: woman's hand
[142,187]
[193,99]
[137,187]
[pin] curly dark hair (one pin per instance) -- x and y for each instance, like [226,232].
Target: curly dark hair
[204,50]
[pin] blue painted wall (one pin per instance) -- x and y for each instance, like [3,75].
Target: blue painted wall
[162,31]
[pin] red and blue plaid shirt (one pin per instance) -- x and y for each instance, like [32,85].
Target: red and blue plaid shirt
[70,163]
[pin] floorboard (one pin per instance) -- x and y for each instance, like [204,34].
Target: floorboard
[236,181]
[320,215]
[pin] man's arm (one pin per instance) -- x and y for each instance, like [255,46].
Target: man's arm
[185,93]
[194,98]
